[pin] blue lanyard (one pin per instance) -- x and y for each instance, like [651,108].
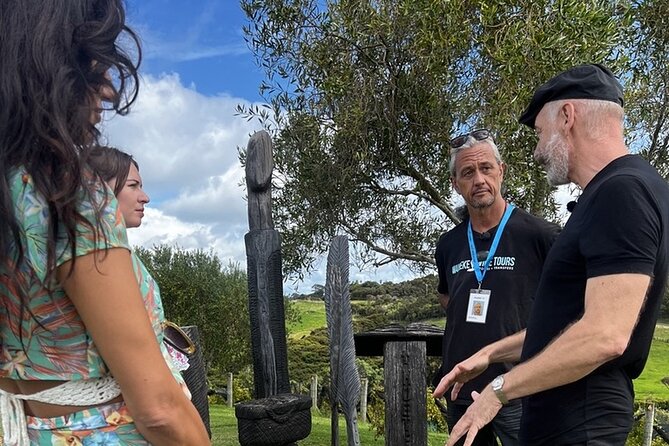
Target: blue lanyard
[495,241]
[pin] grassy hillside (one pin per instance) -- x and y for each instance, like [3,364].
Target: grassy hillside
[312,316]
[647,386]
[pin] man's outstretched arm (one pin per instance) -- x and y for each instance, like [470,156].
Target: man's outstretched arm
[505,350]
[612,307]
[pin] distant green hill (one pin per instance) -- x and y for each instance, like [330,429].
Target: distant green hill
[647,386]
[312,316]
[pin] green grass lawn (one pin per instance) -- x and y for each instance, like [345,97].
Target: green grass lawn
[648,385]
[224,431]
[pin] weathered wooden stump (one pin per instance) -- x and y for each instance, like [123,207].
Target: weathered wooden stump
[406,406]
[404,351]
[278,420]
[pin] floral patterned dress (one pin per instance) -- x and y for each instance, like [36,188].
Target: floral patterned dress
[49,341]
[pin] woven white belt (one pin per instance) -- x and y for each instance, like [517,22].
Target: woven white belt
[87,392]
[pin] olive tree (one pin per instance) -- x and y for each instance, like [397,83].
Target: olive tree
[363,97]
[196,289]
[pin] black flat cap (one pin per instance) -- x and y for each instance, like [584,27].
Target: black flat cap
[592,81]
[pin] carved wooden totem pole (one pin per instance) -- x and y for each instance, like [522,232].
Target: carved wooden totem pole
[263,252]
[344,377]
[276,417]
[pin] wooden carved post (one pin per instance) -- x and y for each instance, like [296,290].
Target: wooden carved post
[406,400]
[196,377]
[275,417]
[344,377]
[263,251]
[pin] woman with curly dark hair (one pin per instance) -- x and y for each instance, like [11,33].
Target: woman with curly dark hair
[80,361]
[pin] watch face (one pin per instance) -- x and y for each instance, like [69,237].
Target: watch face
[497,385]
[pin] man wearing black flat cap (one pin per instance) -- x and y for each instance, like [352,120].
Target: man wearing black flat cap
[599,294]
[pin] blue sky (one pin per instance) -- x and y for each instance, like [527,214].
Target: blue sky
[200,40]
[184,133]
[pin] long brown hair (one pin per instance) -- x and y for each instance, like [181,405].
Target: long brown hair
[55,56]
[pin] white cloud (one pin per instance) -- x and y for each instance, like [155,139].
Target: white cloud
[158,228]
[186,146]
[180,137]
[217,200]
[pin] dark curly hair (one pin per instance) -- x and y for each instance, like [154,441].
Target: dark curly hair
[56,56]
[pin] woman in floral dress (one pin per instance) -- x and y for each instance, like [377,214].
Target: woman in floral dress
[80,362]
[121,173]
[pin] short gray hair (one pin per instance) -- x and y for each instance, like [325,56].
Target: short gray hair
[471,142]
[596,113]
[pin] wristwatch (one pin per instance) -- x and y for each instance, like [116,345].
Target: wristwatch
[497,387]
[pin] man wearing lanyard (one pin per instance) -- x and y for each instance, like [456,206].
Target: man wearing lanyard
[488,267]
[600,292]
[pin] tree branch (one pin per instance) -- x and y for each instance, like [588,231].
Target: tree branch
[392,255]
[435,196]
[445,208]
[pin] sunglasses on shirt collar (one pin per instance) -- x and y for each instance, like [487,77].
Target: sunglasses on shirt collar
[177,338]
[478,134]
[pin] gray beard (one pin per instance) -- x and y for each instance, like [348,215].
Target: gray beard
[483,203]
[557,167]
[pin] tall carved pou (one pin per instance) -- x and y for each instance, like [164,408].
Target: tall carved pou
[265,282]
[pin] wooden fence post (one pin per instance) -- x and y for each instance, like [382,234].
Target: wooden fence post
[314,392]
[195,377]
[364,383]
[230,394]
[648,426]
[406,401]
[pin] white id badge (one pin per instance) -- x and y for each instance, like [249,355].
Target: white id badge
[477,309]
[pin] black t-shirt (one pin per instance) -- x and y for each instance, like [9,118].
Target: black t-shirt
[512,278]
[620,225]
